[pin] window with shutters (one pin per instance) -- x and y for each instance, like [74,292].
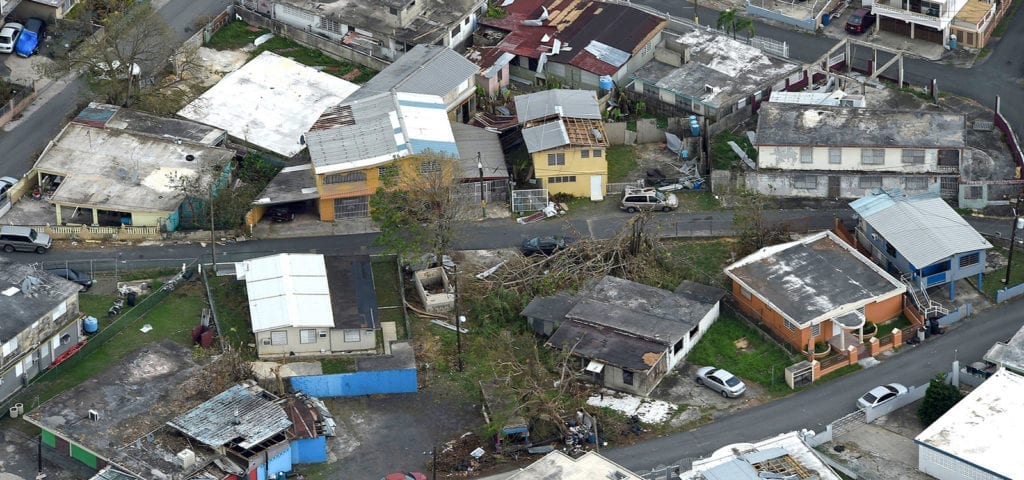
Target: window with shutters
[872,156]
[584,153]
[555,159]
[913,156]
[598,153]
[968,260]
[307,335]
[835,156]
[279,338]
[869,182]
[915,183]
[430,166]
[806,182]
[806,155]
[349,177]
[352,335]
[816,330]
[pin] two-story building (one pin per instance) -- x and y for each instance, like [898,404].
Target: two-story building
[921,238]
[40,322]
[429,70]
[565,136]
[573,44]
[843,152]
[380,30]
[922,19]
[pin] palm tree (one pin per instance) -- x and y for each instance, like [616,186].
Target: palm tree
[729,21]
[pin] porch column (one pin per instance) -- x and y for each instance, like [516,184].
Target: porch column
[979,281]
[851,353]
[95,217]
[952,289]
[58,214]
[911,30]
[897,337]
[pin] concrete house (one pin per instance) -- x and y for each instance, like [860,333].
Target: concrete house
[112,167]
[49,10]
[710,74]
[374,30]
[921,238]
[40,322]
[843,152]
[980,437]
[559,466]
[429,70]
[141,418]
[493,76]
[310,304]
[354,146]
[816,289]
[573,44]
[565,136]
[971,21]
[627,335]
[783,456]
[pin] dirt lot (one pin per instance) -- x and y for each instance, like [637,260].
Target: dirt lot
[883,450]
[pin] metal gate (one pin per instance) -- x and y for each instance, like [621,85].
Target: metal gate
[529,200]
[355,207]
[495,191]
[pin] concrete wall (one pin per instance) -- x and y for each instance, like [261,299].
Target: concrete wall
[359,383]
[815,185]
[435,291]
[307,39]
[575,165]
[327,341]
[309,450]
[777,15]
[789,158]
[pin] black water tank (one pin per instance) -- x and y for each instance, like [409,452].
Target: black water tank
[130,299]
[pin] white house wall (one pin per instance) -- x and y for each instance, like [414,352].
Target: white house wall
[689,342]
[788,158]
[328,341]
[947,467]
[784,184]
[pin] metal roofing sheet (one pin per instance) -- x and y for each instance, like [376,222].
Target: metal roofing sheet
[732,470]
[426,69]
[287,290]
[605,345]
[472,140]
[545,136]
[561,102]
[607,53]
[924,229]
[242,414]
[370,135]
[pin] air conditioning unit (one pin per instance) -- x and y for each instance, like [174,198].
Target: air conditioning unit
[266,341]
[186,459]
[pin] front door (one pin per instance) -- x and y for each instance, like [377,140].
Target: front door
[596,188]
[833,187]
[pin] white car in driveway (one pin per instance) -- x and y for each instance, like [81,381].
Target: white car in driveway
[881,395]
[721,381]
[9,36]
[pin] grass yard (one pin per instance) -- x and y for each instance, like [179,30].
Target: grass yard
[761,362]
[237,34]
[702,261]
[993,281]
[173,318]
[621,160]
[697,201]
[338,365]
[722,156]
[232,305]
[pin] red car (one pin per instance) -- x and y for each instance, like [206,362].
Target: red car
[860,21]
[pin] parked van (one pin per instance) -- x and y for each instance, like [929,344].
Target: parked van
[23,238]
[648,199]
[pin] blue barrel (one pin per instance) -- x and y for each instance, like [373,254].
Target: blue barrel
[694,129]
[91,324]
[693,118]
[825,19]
[605,82]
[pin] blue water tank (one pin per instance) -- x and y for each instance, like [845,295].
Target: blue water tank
[825,20]
[694,129]
[91,324]
[693,118]
[605,82]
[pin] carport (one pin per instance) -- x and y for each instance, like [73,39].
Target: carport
[294,187]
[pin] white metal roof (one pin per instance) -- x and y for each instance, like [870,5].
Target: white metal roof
[269,102]
[985,427]
[287,290]
[923,228]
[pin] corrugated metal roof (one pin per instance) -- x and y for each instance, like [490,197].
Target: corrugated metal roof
[607,53]
[426,69]
[731,470]
[924,229]
[472,140]
[545,136]
[561,102]
[287,290]
[243,414]
[425,123]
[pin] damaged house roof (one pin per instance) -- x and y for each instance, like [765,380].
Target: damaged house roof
[245,415]
[426,69]
[560,117]
[625,323]
[790,124]
[596,37]
[813,279]
[720,69]
[21,309]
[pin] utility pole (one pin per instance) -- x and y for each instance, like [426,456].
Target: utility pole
[213,234]
[1016,224]
[459,318]
[483,200]
[696,18]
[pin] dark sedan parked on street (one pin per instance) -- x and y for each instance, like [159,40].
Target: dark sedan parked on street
[544,245]
[82,279]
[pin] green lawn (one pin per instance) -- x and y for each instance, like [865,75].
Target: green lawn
[700,261]
[232,304]
[722,156]
[173,318]
[761,362]
[385,282]
[338,365]
[237,34]
[621,161]
[993,280]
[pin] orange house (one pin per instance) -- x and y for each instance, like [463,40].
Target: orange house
[815,289]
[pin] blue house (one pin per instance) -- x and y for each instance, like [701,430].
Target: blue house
[920,238]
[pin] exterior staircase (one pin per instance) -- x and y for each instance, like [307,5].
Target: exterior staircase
[930,308]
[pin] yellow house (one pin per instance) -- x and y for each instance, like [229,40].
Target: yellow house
[566,139]
[357,143]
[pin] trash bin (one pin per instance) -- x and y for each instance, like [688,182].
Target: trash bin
[130,298]
[825,19]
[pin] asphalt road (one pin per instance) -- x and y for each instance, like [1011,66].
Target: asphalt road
[1002,73]
[20,147]
[819,405]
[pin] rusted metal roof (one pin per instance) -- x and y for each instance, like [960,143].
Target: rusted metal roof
[244,415]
